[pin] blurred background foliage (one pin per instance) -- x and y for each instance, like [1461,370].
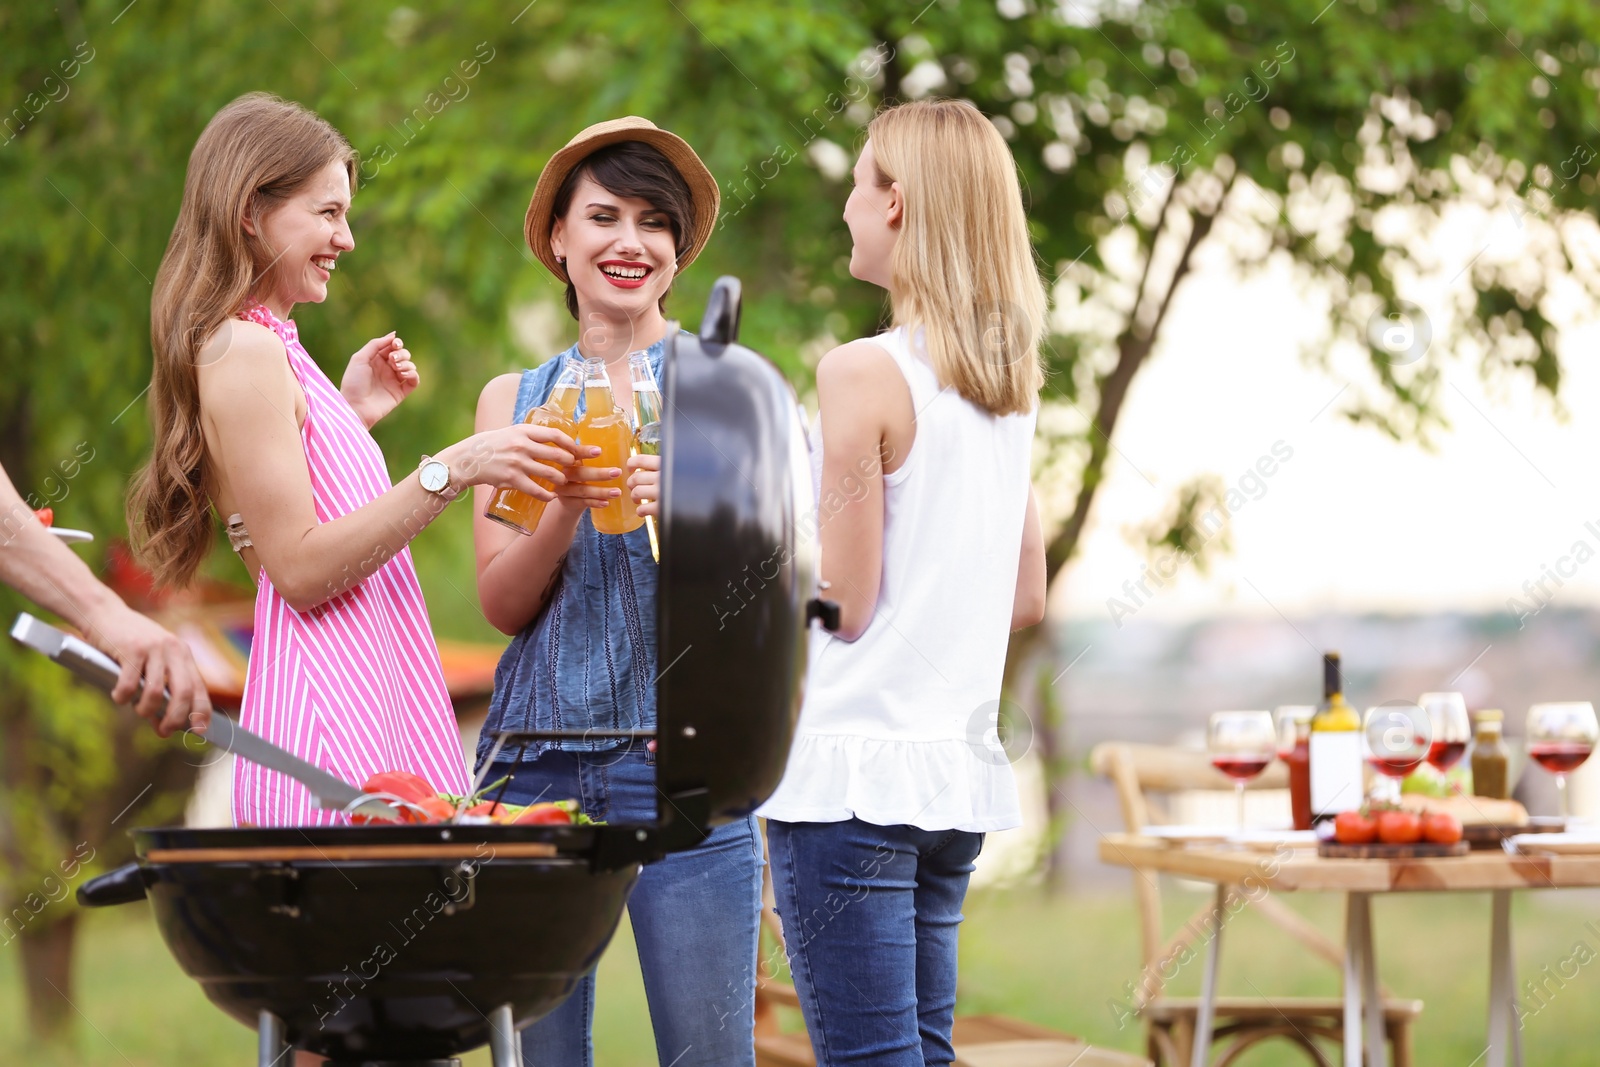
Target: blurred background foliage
[1151,137]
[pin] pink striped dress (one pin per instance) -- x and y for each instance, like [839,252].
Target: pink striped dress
[354,685]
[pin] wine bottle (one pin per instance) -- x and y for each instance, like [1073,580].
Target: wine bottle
[1336,773]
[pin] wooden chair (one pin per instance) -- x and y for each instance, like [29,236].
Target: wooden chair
[980,1040]
[1241,1022]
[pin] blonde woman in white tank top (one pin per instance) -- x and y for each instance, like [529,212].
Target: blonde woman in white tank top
[932,547]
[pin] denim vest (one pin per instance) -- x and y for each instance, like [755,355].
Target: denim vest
[588,660]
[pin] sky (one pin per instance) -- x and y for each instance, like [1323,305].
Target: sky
[1351,520]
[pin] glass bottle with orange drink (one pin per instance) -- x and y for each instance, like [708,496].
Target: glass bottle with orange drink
[646,424]
[513,507]
[606,426]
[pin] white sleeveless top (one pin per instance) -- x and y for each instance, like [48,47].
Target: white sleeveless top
[899,727]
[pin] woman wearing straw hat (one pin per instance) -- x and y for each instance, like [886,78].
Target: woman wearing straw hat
[615,215]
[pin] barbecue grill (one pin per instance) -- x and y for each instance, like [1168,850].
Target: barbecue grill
[390,945]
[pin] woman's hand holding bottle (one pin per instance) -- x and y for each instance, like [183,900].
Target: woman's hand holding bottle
[644,482]
[513,456]
[583,486]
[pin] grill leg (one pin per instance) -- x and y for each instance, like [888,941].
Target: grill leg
[505,1050]
[271,1048]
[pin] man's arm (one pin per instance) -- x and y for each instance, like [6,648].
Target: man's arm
[45,571]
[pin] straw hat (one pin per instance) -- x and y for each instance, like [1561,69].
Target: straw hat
[703,192]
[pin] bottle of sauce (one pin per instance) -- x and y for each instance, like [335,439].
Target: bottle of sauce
[1334,749]
[1490,758]
[513,507]
[1294,739]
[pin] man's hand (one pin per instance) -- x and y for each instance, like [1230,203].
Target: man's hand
[46,572]
[151,655]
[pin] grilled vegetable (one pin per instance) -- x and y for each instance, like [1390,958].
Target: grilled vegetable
[535,814]
[495,812]
[431,809]
[402,784]
[417,802]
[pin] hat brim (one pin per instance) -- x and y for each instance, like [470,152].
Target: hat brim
[703,191]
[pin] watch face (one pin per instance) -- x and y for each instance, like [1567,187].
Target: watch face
[435,476]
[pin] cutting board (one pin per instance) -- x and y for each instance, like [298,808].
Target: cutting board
[1376,851]
[1491,835]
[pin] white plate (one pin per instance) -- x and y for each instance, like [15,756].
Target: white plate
[1579,843]
[1269,840]
[71,537]
[1181,834]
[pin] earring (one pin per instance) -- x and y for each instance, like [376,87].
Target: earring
[561,259]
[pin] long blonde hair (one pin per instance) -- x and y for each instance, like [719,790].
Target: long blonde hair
[963,268]
[252,156]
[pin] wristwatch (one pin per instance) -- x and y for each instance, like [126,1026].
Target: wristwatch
[435,477]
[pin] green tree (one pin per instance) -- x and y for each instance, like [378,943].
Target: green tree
[1299,125]
[1142,127]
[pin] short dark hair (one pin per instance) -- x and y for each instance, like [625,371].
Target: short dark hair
[638,171]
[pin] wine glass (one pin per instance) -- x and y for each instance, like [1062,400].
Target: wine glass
[1447,714]
[1560,738]
[1289,715]
[1242,743]
[1398,738]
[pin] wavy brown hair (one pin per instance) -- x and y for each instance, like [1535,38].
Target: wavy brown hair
[252,156]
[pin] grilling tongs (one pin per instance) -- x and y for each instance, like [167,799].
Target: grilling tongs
[101,671]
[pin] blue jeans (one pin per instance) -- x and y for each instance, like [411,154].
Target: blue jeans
[695,914]
[870,917]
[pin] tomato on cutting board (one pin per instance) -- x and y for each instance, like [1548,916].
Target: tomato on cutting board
[1354,828]
[1441,828]
[1396,827]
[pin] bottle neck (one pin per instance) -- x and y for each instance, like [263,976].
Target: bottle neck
[1334,713]
[639,370]
[611,339]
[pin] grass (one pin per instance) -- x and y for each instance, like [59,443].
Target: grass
[1063,962]
[1060,961]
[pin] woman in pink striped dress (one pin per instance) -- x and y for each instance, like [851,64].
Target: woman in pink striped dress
[343,669]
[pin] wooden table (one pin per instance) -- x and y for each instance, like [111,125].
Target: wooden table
[1289,870]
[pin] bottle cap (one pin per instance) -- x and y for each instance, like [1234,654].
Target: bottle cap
[1489,715]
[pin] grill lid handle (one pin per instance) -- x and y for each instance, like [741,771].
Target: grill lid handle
[121,886]
[721,324]
[826,611]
